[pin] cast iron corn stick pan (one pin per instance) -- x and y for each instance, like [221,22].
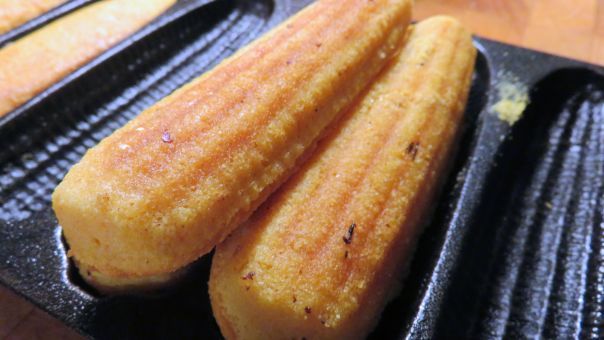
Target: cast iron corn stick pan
[515,248]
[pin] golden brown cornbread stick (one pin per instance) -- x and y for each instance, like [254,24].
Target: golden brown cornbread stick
[321,257]
[33,63]
[175,181]
[14,13]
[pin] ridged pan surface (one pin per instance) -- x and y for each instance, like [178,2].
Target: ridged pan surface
[517,251]
[515,248]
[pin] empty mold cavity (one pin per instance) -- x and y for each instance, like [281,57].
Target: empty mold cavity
[531,265]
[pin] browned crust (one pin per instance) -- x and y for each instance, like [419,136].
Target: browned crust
[172,183]
[325,252]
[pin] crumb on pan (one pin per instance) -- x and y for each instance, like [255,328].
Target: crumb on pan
[513,99]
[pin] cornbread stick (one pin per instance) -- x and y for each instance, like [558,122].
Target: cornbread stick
[14,13]
[165,189]
[321,257]
[36,61]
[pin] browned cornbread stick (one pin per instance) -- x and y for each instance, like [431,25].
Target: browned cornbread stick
[166,188]
[14,13]
[38,60]
[319,259]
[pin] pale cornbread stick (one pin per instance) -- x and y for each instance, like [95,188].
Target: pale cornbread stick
[33,63]
[14,13]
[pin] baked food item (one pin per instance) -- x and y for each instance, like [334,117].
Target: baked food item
[321,257]
[33,63]
[166,188]
[14,13]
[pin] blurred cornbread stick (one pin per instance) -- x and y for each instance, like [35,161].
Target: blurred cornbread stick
[14,13]
[321,257]
[165,189]
[33,63]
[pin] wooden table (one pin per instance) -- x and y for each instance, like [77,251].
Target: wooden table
[21,320]
[570,28]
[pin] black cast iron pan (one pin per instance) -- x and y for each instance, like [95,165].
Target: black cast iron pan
[515,248]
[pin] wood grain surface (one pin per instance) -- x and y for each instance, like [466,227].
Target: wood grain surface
[571,28]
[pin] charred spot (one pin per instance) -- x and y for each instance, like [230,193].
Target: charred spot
[349,234]
[316,109]
[247,288]
[413,149]
[166,138]
[318,44]
[346,254]
[294,299]
[322,321]
[307,310]
[248,276]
